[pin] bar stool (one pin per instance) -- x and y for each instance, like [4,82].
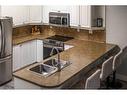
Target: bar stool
[116,63]
[93,82]
[106,71]
[124,50]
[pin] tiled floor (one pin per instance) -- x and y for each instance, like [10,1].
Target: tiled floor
[10,85]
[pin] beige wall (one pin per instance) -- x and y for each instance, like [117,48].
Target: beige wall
[116,30]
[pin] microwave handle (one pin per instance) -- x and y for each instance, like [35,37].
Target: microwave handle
[61,19]
[68,21]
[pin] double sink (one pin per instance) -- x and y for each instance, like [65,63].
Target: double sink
[53,65]
[49,67]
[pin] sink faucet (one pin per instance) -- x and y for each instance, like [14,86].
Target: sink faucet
[58,53]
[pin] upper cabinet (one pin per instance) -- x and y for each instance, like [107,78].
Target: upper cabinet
[74,16]
[97,12]
[84,16]
[23,14]
[20,14]
[90,16]
[35,14]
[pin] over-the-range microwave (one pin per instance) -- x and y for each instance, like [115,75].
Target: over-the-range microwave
[59,19]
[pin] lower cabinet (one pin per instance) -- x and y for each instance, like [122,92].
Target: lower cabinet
[24,54]
[16,57]
[39,50]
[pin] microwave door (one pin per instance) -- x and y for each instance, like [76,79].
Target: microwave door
[55,20]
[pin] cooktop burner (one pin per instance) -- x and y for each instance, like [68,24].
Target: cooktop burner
[60,38]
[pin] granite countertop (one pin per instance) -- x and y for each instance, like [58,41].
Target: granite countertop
[19,40]
[83,54]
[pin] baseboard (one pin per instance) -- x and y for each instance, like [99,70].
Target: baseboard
[121,77]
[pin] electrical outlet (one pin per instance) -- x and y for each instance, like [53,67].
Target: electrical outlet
[90,32]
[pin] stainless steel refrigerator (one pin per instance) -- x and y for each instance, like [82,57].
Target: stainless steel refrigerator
[5,49]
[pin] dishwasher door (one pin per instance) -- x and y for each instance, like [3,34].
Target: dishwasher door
[47,50]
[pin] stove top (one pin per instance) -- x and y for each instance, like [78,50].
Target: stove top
[60,38]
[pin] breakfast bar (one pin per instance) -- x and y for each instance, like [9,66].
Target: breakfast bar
[84,56]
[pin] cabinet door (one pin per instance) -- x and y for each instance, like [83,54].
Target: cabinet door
[74,15]
[24,54]
[20,14]
[33,51]
[28,53]
[16,57]
[39,50]
[35,14]
[85,16]
[25,50]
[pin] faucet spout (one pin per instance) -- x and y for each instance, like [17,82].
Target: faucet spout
[58,57]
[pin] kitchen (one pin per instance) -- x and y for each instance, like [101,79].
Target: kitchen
[72,39]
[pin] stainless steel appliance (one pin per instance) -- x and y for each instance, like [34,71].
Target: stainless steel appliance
[59,19]
[54,41]
[49,44]
[5,49]
[60,38]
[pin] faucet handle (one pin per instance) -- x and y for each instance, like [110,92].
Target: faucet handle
[69,62]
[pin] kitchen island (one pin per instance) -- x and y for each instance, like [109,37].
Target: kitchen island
[84,56]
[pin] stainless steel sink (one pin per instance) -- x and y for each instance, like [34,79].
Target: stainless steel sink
[49,67]
[54,63]
[43,69]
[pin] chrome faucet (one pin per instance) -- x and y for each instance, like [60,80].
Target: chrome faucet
[58,53]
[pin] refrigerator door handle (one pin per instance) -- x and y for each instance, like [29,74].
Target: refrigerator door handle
[3,39]
[0,39]
[4,59]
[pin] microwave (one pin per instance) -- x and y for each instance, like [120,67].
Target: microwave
[59,19]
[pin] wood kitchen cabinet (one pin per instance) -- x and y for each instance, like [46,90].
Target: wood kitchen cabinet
[20,14]
[16,57]
[24,54]
[83,16]
[33,51]
[28,53]
[39,50]
[89,15]
[35,14]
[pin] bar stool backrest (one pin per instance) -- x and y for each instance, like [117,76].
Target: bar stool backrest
[93,82]
[106,68]
[117,60]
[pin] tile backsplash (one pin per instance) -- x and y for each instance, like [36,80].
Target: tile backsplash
[98,35]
